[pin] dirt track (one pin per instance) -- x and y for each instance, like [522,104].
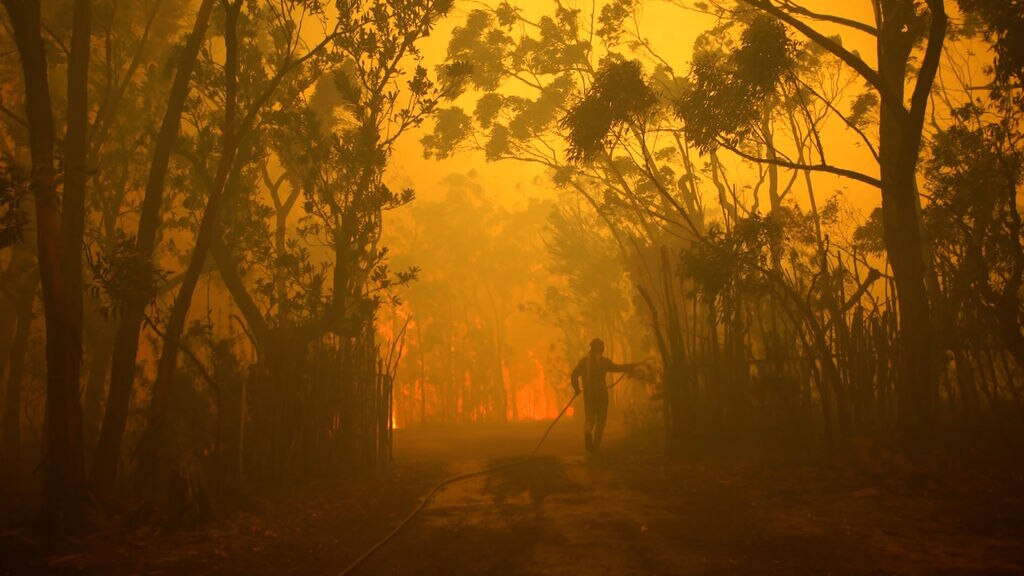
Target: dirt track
[627,512]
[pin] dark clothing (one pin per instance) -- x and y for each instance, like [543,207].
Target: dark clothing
[591,370]
[595,408]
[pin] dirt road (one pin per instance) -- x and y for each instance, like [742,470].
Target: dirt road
[627,512]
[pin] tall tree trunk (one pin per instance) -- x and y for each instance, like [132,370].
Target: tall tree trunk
[63,467]
[21,282]
[423,374]
[8,326]
[15,377]
[152,437]
[233,133]
[900,133]
[76,172]
[92,397]
[76,175]
[126,339]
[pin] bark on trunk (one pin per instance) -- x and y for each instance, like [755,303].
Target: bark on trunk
[21,277]
[15,377]
[76,174]
[99,367]
[899,146]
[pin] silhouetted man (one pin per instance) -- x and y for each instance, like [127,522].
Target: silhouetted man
[591,371]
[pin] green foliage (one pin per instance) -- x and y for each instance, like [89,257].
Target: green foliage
[974,173]
[13,187]
[482,45]
[587,258]
[534,117]
[487,109]
[727,260]
[612,19]
[121,274]
[498,144]
[1004,28]
[619,96]
[451,126]
[499,46]
[732,87]
[869,236]
[765,55]
[863,109]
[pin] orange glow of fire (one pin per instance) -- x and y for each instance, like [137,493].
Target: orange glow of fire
[531,393]
[535,399]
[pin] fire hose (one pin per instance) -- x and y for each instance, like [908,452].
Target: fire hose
[457,478]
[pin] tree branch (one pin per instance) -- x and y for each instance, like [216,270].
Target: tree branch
[848,22]
[846,120]
[851,174]
[852,60]
[930,63]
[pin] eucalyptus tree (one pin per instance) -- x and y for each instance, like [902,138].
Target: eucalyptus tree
[137,38]
[531,74]
[591,296]
[902,29]
[140,272]
[974,171]
[95,157]
[18,295]
[245,99]
[587,97]
[766,98]
[1003,28]
[19,278]
[604,126]
[376,58]
[326,152]
[59,244]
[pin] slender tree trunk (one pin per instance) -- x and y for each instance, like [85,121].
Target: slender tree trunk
[8,326]
[126,338]
[15,378]
[21,277]
[99,367]
[423,374]
[62,468]
[76,170]
[152,436]
[76,176]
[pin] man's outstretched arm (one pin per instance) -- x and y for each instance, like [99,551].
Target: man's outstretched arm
[616,368]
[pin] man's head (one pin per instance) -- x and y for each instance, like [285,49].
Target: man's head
[597,346]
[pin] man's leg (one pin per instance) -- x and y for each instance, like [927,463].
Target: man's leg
[600,417]
[590,417]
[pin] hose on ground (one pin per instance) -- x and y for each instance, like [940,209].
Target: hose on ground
[451,480]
